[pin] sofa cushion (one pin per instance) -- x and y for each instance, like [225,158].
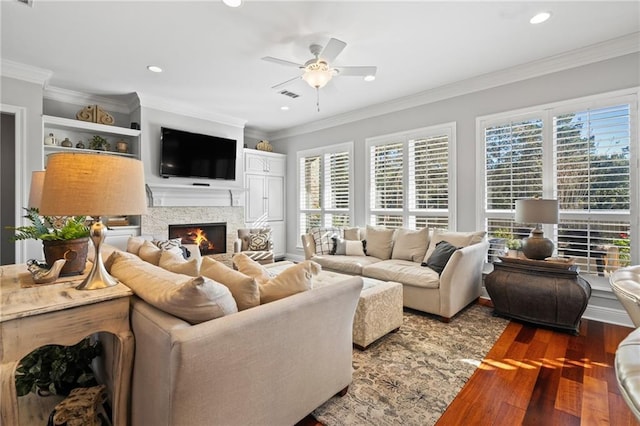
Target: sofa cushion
[243,288]
[347,247]
[177,263]
[149,252]
[379,242]
[322,238]
[440,256]
[403,271]
[348,264]
[458,239]
[351,234]
[410,245]
[292,280]
[194,300]
[251,268]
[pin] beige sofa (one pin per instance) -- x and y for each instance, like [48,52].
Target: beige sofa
[444,294]
[270,364]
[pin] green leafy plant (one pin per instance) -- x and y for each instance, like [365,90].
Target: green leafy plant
[57,369]
[513,244]
[42,228]
[624,248]
[99,143]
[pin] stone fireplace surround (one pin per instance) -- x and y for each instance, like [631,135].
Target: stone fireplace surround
[157,220]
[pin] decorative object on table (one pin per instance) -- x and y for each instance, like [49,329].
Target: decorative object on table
[118,221]
[55,369]
[41,273]
[80,145]
[122,146]
[81,407]
[537,210]
[50,140]
[99,143]
[96,185]
[264,145]
[66,143]
[95,114]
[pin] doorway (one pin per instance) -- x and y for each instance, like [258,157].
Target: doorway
[7,187]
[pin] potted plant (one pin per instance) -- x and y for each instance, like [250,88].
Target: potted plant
[99,143]
[62,238]
[514,247]
[55,369]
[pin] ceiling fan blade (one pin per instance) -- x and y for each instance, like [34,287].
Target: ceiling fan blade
[286,83]
[332,49]
[357,71]
[282,62]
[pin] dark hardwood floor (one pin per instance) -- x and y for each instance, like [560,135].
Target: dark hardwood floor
[536,376]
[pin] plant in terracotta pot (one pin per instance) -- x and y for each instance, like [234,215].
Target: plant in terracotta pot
[64,237]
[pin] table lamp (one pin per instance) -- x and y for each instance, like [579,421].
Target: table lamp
[537,210]
[93,185]
[35,190]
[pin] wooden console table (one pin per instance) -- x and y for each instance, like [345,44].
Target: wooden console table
[540,292]
[59,314]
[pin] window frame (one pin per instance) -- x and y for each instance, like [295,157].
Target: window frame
[448,129]
[547,112]
[323,210]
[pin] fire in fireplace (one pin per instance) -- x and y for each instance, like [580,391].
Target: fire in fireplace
[211,238]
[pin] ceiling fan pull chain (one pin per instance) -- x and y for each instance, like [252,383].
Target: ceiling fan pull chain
[318,98]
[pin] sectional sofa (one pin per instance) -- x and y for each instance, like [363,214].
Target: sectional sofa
[399,255]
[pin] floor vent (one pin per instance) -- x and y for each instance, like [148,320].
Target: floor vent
[289,94]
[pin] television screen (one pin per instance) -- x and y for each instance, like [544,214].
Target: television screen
[186,154]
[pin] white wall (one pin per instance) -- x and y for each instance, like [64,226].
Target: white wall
[614,74]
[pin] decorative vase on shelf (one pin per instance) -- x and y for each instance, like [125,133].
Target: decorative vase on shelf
[80,145]
[122,146]
[264,146]
[50,140]
[66,143]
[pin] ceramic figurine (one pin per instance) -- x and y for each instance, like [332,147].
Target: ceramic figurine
[66,143]
[50,140]
[80,145]
[41,274]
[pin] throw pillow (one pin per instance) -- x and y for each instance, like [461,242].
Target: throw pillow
[173,245]
[134,244]
[194,300]
[379,242]
[259,242]
[347,247]
[351,233]
[441,255]
[410,245]
[458,239]
[244,289]
[322,238]
[178,264]
[250,267]
[290,281]
[149,252]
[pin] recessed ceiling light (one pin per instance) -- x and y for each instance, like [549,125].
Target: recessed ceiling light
[284,108]
[154,68]
[369,77]
[232,3]
[540,18]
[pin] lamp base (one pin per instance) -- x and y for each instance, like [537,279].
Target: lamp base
[98,276]
[537,247]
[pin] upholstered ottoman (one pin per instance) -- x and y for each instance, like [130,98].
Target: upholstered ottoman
[379,310]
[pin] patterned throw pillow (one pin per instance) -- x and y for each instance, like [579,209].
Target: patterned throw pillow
[259,242]
[323,238]
[173,245]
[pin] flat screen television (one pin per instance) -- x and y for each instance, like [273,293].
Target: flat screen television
[193,155]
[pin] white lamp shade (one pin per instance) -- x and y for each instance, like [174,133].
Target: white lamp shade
[35,191]
[536,210]
[84,184]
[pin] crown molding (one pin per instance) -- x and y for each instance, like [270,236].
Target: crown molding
[25,72]
[609,49]
[73,97]
[174,107]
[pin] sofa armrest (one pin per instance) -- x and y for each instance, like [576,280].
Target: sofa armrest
[461,279]
[309,245]
[272,364]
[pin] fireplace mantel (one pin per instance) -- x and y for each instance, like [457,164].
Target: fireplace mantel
[167,195]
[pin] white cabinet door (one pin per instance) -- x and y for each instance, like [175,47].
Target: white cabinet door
[278,237]
[275,197]
[255,205]
[254,163]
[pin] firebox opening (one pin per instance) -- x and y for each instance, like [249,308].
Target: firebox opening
[211,238]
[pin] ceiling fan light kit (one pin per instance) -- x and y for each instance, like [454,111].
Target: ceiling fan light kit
[317,74]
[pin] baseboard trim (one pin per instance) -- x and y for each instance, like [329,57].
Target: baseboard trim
[608,315]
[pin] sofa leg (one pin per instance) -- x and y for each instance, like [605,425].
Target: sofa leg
[445,319]
[343,392]
[395,330]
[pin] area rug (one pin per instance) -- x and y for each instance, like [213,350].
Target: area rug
[410,377]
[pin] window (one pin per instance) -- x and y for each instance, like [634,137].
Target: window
[324,186]
[579,152]
[410,178]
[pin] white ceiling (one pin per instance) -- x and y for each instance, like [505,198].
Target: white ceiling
[211,54]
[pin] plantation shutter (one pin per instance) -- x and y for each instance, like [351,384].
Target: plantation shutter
[386,183]
[337,182]
[309,184]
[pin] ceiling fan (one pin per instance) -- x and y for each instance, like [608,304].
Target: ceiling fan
[317,72]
